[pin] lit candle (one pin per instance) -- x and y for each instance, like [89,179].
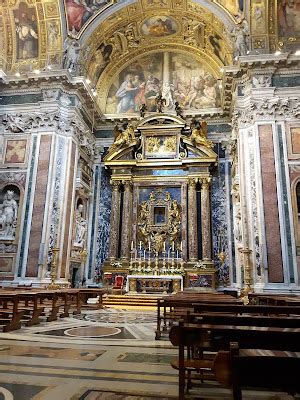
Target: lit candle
[149,245]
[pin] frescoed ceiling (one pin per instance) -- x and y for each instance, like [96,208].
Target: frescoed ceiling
[118,41]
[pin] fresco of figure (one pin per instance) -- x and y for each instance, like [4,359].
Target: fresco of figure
[289,17]
[26,32]
[126,93]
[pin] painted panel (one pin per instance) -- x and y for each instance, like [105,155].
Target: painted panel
[6,264]
[288,18]
[80,11]
[178,77]
[159,26]
[26,29]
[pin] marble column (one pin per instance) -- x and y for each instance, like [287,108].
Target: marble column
[205,218]
[114,221]
[126,221]
[192,220]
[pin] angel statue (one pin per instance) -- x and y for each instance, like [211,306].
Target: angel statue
[71,54]
[160,103]
[123,137]
[199,134]
[239,36]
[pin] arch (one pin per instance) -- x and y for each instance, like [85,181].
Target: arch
[220,12]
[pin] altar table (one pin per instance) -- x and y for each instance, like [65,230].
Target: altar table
[156,283]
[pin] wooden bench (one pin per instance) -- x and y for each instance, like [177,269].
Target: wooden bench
[186,336]
[10,314]
[176,306]
[256,368]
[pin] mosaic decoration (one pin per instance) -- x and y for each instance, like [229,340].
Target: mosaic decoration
[159,26]
[219,223]
[104,221]
[15,151]
[179,77]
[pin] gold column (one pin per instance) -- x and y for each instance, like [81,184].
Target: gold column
[126,221]
[205,218]
[114,221]
[192,220]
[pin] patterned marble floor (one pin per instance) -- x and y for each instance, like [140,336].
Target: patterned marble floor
[106,354]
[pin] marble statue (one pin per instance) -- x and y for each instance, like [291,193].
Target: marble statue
[8,216]
[239,36]
[71,48]
[80,227]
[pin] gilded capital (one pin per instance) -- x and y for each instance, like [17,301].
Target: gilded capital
[115,185]
[205,182]
[192,182]
[127,185]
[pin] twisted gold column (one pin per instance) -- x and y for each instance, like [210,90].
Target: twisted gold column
[205,218]
[126,221]
[192,220]
[114,221]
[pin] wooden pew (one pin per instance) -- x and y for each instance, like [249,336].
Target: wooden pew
[176,306]
[187,335]
[10,314]
[257,368]
[29,302]
[87,293]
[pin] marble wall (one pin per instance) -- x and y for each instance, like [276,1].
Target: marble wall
[104,220]
[220,223]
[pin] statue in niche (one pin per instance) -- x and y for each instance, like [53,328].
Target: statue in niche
[80,227]
[199,134]
[8,216]
[71,54]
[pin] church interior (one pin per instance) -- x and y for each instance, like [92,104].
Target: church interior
[149,199]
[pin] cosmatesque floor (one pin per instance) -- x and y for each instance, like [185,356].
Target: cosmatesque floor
[105,354]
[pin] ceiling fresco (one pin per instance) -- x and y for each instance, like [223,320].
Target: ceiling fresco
[31,34]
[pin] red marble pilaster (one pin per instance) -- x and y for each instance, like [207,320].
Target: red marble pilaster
[39,206]
[270,199]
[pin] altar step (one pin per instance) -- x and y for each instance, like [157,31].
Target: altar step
[130,300]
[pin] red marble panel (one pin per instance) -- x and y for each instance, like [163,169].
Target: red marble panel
[39,206]
[268,172]
[295,138]
[68,222]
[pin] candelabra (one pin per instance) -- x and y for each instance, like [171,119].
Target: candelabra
[53,272]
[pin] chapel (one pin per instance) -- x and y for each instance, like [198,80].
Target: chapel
[149,185]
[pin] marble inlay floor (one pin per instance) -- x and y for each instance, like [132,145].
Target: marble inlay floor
[105,354]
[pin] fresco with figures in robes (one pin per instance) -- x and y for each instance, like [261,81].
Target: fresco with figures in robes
[26,28]
[288,18]
[235,7]
[178,77]
[80,11]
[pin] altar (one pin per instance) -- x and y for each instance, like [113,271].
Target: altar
[160,227]
[154,283]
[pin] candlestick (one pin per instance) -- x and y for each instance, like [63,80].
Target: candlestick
[132,245]
[140,245]
[164,246]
